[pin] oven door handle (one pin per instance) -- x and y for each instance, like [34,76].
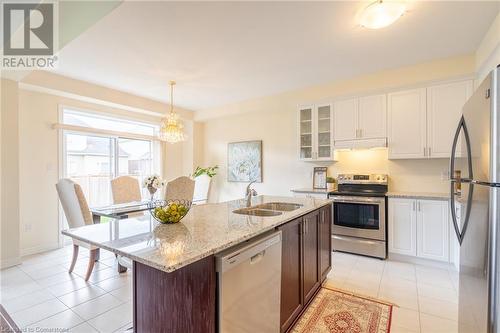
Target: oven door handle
[360,201]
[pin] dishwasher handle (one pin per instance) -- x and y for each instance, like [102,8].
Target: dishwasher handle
[255,252]
[257,258]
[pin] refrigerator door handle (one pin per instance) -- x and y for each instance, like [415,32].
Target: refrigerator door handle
[478,182]
[461,233]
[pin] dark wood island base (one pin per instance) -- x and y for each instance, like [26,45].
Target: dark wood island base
[181,301]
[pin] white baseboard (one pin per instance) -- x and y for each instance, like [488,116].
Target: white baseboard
[5,263]
[38,249]
[421,261]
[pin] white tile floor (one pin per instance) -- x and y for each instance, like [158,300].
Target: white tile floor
[426,297]
[40,293]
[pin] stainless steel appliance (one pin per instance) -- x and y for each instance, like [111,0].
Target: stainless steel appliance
[475,202]
[249,286]
[359,215]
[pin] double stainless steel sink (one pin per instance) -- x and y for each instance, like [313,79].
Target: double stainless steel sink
[268,209]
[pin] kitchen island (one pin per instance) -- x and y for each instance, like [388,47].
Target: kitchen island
[174,271]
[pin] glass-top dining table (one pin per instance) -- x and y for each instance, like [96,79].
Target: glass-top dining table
[119,211]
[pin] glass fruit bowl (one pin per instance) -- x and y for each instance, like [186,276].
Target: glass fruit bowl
[169,211]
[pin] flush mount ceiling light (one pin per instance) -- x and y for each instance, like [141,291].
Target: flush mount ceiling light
[380,14]
[171,127]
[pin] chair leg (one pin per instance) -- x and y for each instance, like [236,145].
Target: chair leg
[121,269]
[75,256]
[92,256]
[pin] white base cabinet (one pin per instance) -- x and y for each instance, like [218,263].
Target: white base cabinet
[419,228]
[402,227]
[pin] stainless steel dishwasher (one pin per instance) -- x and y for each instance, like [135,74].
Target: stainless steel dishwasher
[249,286]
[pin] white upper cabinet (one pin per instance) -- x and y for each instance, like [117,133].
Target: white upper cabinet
[346,119]
[417,123]
[306,134]
[372,117]
[361,118]
[407,124]
[422,122]
[316,132]
[324,132]
[444,109]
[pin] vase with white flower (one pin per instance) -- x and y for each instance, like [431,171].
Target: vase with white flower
[153,183]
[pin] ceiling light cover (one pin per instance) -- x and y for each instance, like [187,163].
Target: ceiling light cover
[381,14]
[171,127]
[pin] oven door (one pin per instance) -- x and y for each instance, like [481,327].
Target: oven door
[359,216]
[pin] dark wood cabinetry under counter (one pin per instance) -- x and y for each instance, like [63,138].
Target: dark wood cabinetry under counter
[292,300]
[306,261]
[325,241]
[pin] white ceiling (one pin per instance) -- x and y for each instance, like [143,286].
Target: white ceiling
[226,52]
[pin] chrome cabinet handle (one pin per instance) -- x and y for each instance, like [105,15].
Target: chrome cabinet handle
[429,154]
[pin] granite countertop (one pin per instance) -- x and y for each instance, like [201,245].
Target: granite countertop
[311,190]
[205,230]
[419,195]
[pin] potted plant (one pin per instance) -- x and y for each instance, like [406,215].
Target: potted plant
[209,171]
[330,183]
[203,178]
[153,183]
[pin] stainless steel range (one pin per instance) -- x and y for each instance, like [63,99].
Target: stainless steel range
[359,215]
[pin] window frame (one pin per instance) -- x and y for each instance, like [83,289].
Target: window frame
[155,147]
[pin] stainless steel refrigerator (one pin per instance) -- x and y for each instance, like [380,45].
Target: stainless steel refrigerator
[475,208]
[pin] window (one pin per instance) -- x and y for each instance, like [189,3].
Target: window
[93,160]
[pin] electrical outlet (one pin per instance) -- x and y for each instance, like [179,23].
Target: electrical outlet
[27,227]
[445,175]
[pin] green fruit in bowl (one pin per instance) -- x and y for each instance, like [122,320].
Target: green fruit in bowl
[172,213]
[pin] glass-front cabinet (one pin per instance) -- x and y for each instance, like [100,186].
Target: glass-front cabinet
[316,132]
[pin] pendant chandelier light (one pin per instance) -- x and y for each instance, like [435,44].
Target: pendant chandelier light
[171,127]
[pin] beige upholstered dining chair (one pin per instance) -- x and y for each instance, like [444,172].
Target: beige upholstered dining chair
[125,189]
[181,188]
[78,214]
[201,189]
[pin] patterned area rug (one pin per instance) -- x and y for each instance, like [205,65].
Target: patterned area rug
[335,311]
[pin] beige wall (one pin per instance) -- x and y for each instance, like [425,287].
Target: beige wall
[39,164]
[488,52]
[9,174]
[273,120]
